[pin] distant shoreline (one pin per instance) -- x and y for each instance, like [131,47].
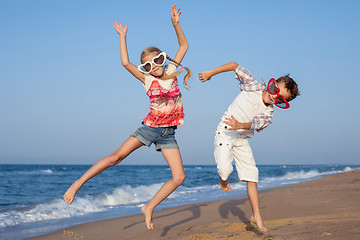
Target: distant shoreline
[189,165]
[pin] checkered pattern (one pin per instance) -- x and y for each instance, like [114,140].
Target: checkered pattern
[247,81]
[260,122]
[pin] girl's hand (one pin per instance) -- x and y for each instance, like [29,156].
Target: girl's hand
[233,123]
[175,14]
[204,76]
[120,29]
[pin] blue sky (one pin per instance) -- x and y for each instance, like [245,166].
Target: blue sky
[66,99]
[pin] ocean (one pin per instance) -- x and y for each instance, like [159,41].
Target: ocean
[31,201]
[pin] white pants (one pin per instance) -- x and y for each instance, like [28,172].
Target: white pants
[229,146]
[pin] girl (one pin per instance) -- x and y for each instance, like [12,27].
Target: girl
[158,127]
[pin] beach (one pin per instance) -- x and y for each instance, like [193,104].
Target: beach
[322,208]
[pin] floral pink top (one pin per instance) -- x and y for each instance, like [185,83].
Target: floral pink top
[166,107]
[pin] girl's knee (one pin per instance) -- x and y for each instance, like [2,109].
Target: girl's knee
[115,158]
[179,179]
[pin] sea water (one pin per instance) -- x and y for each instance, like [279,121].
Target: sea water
[31,201]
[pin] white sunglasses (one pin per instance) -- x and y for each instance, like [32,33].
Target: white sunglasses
[147,66]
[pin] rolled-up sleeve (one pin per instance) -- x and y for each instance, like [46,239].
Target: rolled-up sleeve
[260,122]
[243,75]
[247,81]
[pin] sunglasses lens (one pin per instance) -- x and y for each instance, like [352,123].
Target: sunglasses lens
[272,88]
[159,60]
[146,67]
[280,101]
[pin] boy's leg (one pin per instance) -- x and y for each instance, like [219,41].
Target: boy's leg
[244,161]
[223,158]
[173,158]
[116,157]
[253,195]
[224,185]
[248,172]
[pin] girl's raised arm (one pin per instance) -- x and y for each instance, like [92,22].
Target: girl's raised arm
[122,30]
[183,44]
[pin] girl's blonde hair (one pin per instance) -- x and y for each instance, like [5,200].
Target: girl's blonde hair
[148,50]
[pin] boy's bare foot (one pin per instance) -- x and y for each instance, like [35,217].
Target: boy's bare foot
[148,217]
[224,185]
[71,192]
[259,222]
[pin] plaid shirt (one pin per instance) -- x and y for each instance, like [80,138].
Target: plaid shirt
[248,83]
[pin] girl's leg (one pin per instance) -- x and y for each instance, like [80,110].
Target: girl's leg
[116,157]
[253,195]
[173,158]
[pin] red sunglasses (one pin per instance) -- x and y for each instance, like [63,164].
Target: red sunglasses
[280,100]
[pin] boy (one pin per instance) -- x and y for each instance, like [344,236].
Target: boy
[251,110]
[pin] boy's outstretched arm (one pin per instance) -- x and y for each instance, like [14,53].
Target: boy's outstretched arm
[205,76]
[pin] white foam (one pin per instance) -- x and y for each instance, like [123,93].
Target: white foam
[32,172]
[126,196]
[347,169]
[57,209]
[300,175]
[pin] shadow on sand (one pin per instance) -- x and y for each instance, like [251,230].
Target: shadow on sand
[194,209]
[226,209]
[231,207]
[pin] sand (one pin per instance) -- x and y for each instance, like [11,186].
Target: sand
[323,208]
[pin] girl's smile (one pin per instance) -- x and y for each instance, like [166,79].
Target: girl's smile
[155,69]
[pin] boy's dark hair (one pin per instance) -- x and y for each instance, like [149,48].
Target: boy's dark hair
[290,85]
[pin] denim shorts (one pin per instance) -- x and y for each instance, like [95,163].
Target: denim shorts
[162,137]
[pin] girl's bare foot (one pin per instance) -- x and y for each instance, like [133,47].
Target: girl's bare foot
[259,222]
[148,217]
[224,185]
[71,192]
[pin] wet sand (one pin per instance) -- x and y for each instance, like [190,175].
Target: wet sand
[323,208]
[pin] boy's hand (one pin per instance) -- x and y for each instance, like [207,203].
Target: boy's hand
[205,76]
[175,14]
[233,123]
[120,29]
